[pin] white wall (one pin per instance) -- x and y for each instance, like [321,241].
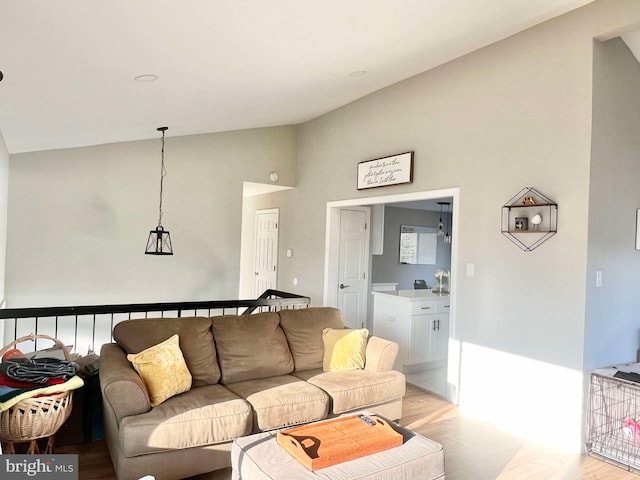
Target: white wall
[79,218]
[612,333]
[514,114]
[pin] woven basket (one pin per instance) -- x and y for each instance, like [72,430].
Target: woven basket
[35,417]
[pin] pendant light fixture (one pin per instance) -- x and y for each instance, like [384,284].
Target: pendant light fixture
[159,242]
[447,235]
[440,224]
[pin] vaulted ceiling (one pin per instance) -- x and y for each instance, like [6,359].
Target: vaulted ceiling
[632,39]
[70,66]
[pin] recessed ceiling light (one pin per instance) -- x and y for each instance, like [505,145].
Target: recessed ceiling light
[147,77]
[1,75]
[358,73]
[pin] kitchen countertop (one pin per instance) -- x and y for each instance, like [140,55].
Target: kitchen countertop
[411,295]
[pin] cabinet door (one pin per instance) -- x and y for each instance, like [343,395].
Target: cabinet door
[439,344]
[395,328]
[421,327]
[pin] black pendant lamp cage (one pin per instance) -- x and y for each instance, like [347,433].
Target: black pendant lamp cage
[159,241]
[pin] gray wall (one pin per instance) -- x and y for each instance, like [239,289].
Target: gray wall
[612,329]
[517,113]
[386,267]
[4,187]
[79,218]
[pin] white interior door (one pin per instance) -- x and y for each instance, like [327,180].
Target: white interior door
[353,265]
[266,251]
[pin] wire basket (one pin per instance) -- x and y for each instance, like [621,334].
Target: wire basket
[35,417]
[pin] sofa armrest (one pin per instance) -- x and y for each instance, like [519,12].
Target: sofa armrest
[380,355]
[122,388]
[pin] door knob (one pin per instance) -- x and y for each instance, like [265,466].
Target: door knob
[343,286]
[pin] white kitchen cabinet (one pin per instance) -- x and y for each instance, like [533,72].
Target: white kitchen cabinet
[439,334]
[418,320]
[420,349]
[439,337]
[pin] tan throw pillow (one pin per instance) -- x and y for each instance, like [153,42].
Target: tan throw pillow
[344,349]
[163,370]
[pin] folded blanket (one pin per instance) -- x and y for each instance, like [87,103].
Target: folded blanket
[7,393]
[37,370]
[71,384]
[5,389]
[10,382]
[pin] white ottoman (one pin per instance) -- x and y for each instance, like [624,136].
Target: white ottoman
[259,457]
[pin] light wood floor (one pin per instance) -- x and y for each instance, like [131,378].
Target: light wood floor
[473,450]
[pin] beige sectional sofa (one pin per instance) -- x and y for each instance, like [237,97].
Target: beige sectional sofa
[249,374]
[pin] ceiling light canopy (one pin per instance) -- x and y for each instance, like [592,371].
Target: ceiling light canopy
[146,78]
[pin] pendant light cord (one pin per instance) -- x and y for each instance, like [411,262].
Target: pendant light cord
[163,173]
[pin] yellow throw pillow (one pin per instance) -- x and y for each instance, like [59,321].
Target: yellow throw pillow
[344,349]
[163,370]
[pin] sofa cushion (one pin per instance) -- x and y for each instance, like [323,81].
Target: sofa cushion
[251,346]
[163,370]
[303,329]
[196,342]
[281,401]
[202,416]
[344,349]
[355,389]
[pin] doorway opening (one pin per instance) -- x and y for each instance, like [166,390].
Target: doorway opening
[439,377]
[254,199]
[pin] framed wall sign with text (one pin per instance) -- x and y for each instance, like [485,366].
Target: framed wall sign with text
[381,172]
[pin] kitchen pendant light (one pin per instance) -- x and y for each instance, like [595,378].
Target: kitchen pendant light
[159,242]
[447,235]
[440,224]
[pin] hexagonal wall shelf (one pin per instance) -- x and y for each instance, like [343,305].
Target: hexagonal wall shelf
[529,219]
